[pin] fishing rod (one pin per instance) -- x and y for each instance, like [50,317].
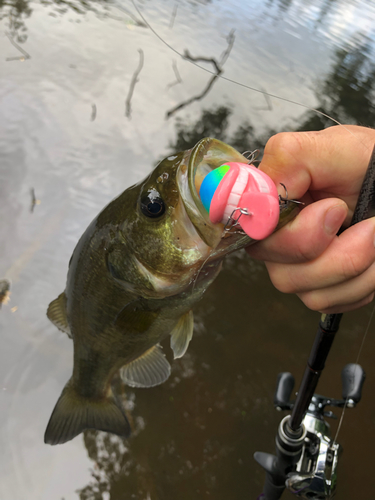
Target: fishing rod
[306,456]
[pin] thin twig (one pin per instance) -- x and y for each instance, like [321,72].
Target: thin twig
[93,112]
[225,54]
[194,98]
[133,83]
[34,200]
[268,101]
[19,58]
[178,77]
[211,60]
[141,24]
[4,291]
[218,68]
[173,16]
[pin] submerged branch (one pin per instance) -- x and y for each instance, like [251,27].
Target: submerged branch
[17,58]
[211,60]
[194,98]
[218,66]
[173,15]
[93,112]
[133,83]
[4,291]
[225,54]
[137,22]
[178,77]
[268,101]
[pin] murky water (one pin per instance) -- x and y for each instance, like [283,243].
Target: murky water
[72,131]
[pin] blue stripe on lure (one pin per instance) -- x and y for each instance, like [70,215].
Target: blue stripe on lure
[210,184]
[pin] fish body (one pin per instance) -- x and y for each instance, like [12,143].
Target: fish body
[133,278]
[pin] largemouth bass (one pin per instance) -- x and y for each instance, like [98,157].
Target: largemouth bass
[133,278]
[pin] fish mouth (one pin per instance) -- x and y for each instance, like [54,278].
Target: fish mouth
[207,155]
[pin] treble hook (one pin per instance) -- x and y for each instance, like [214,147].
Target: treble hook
[251,156]
[232,221]
[286,200]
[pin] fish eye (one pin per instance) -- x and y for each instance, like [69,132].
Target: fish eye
[152,205]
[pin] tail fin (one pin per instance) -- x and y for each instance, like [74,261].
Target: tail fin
[74,413]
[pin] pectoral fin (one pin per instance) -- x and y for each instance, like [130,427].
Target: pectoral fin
[135,318]
[150,369]
[56,313]
[182,334]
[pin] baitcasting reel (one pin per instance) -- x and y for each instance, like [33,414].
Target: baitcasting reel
[310,458]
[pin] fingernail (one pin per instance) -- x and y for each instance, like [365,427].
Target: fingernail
[335,216]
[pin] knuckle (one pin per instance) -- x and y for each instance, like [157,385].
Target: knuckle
[369,298]
[282,287]
[277,141]
[283,140]
[323,304]
[305,251]
[353,265]
[279,148]
[314,301]
[291,142]
[281,281]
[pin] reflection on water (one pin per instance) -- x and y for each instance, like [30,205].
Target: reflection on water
[215,123]
[195,434]
[346,92]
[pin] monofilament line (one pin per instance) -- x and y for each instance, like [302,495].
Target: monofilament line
[254,89]
[356,362]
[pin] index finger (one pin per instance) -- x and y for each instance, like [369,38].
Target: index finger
[328,163]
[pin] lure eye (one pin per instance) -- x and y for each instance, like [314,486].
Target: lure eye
[152,205]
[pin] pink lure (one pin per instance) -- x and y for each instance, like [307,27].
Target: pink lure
[238,185]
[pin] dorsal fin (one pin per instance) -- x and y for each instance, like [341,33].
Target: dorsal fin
[56,313]
[150,369]
[182,334]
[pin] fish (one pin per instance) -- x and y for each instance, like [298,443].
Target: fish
[132,281]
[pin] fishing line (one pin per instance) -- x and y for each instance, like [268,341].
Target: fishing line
[240,84]
[284,99]
[356,362]
[196,276]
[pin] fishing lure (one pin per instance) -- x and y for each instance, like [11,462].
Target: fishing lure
[240,194]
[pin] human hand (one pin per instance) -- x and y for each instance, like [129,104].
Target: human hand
[325,170]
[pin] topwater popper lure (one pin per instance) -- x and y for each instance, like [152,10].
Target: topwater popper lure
[240,194]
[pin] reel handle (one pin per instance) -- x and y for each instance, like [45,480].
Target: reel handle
[353,377]
[284,388]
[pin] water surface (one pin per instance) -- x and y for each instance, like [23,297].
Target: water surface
[66,132]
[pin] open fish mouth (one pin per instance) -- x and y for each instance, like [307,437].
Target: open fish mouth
[207,155]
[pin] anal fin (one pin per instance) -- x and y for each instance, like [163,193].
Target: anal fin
[56,313]
[150,369]
[181,334]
